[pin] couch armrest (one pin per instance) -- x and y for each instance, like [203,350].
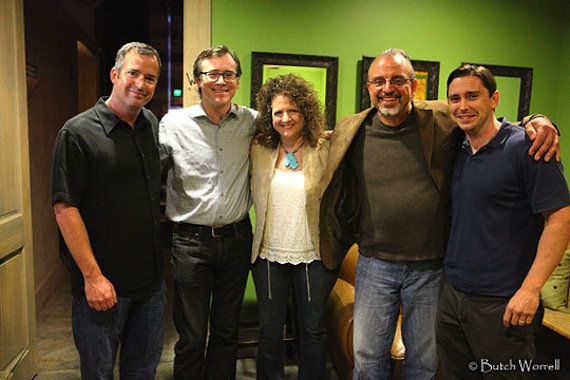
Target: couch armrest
[398,349]
[340,316]
[557,321]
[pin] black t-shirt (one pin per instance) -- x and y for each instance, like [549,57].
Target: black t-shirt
[111,173]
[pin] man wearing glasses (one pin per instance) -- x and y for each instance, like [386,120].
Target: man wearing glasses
[205,148]
[392,164]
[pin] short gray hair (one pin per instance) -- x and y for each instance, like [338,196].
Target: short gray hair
[140,48]
[394,52]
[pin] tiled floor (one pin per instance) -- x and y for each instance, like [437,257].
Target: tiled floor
[58,359]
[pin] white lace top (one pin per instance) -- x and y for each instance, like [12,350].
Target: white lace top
[286,238]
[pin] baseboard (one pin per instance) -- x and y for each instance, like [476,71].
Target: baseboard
[58,276]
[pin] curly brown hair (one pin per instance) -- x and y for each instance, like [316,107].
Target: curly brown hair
[300,92]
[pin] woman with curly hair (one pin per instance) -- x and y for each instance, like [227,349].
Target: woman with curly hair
[287,172]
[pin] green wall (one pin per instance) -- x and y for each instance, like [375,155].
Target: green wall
[524,33]
[563,98]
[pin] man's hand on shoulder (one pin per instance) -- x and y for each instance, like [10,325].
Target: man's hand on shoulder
[545,138]
[327,134]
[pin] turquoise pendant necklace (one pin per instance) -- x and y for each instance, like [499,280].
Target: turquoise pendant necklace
[290,159]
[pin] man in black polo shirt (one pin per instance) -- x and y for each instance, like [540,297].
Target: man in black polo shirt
[106,187]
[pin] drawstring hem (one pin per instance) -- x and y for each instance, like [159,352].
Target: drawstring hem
[269,279]
[308,282]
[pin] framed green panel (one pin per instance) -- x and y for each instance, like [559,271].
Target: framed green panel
[509,97]
[525,86]
[320,71]
[317,76]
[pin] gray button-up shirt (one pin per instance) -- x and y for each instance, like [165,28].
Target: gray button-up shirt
[208,165]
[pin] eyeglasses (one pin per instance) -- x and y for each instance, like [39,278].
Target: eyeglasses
[229,76]
[396,81]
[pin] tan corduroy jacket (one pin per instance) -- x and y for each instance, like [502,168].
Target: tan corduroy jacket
[340,206]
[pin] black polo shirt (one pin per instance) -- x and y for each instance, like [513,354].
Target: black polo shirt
[111,173]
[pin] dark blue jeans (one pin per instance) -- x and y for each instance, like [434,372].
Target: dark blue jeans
[136,323]
[210,274]
[312,285]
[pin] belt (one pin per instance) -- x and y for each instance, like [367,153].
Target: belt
[222,231]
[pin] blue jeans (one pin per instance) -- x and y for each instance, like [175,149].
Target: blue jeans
[210,274]
[136,323]
[312,285]
[382,287]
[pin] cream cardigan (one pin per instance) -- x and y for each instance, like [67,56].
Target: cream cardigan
[263,161]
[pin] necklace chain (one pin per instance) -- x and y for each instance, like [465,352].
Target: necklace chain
[294,151]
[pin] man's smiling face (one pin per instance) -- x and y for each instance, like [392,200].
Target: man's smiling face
[217,94]
[393,102]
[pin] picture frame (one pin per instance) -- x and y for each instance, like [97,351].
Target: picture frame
[321,71]
[427,73]
[525,75]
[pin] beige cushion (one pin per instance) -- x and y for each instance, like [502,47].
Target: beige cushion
[398,349]
[555,291]
[557,321]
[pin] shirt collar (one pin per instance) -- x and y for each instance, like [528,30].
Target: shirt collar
[199,111]
[499,140]
[110,120]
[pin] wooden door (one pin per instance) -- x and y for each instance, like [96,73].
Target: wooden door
[17,314]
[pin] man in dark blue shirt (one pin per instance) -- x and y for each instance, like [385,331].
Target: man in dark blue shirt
[510,227]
